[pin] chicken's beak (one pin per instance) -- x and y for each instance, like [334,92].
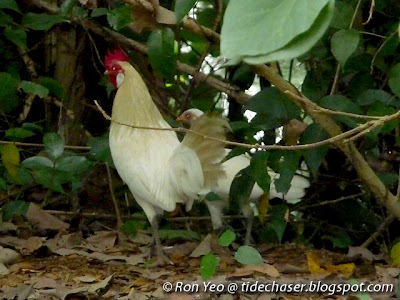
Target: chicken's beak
[179,119]
[106,72]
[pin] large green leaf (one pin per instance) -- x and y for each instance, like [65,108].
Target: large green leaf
[296,25]
[34,88]
[240,190]
[273,109]
[8,92]
[9,4]
[16,35]
[181,8]
[227,238]
[288,165]
[313,157]
[278,222]
[120,17]
[37,163]
[41,21]
[370,96]
[342,103]
[344,43]
[343,15]
[53,86]
[16,207]
[74,164]
[18,134]
[208,266]
[259,170]
[161,52]
[49,179]
[247,255]
[100,149]
[53,144]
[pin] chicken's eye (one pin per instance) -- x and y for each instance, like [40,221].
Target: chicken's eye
[113,68]
[188,116]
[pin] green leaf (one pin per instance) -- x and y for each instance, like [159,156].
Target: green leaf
[67,5]
[37,163]
[278,223]
[18,134]
[100,149]
[34,88]
[208,266]
[344,43]
[181,8]
[16,35]
[9,4]
[394,79]
[49,179]
[32,127]
[53,144]
[5,20]
[343,14]
[3,184]
[17,207]
[10,158]
[130,227]
[314,157]
[247,255]
[227,238]
[98,12]
[259,170]
[161,51]
[273,109]
[8,93]
[288,166]
[240,190]
[41,21]
[298,25]
[342,103]
[23,178]
[174,234]
[73,164]
[79,13]
[213,197]
[53,86]
[370,96]
[120,17]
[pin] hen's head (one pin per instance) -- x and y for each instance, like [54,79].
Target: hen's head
[113,68]
[188,116]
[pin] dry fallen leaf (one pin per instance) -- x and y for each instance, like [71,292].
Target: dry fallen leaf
[203,248]
[101,241]
[314,266]
[43,219]
[265,269]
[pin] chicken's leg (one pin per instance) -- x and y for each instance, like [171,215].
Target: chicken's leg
[162,259]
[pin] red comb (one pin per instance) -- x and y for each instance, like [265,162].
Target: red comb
[115,55]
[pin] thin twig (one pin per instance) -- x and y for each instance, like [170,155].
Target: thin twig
[388,220]
[36,145]
[398,186]
[343,136]
[371,11]
[114,200]
[96,215]
[379,50]
[330,202]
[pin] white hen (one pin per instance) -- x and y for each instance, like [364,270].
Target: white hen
[232,167]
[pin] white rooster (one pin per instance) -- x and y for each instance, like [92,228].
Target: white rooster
[159,170]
